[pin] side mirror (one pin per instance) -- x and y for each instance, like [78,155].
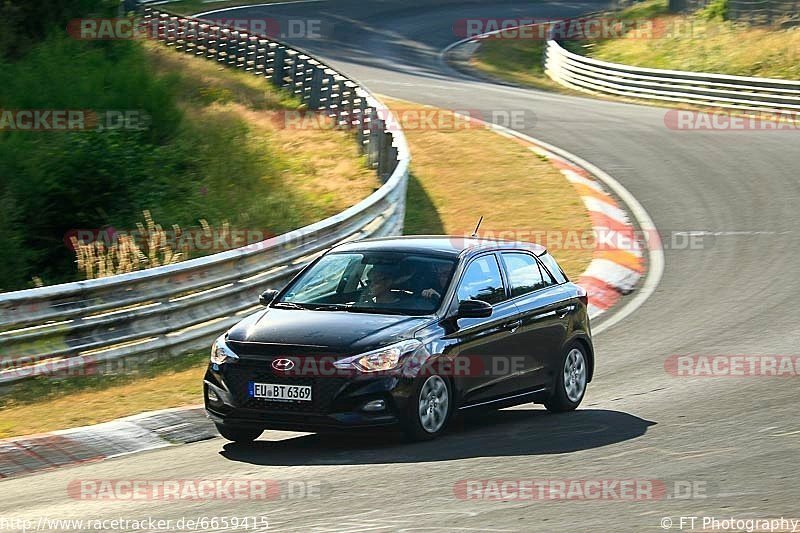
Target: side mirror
[474,309]
[267,296]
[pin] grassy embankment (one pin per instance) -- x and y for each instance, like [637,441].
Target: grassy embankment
[190,7]
[704,42]
[451,185]
[214,148]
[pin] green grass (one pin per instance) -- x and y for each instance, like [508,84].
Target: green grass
[190,7]
[42,404]
[713,45]
[214,150]
[700,42]
[509,185]
[516,61]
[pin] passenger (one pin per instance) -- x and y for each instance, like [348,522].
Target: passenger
[441,273]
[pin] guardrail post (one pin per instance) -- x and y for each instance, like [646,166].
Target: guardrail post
[232,48]
[115,316]
[279,64]
[376,129]
[316,87]
[329,92]
[214,35]
[250,54]
[190,37]
[362,120]
[293,58]
[180,34]
[385,166]
[349,96]
[260,58]
[302,80]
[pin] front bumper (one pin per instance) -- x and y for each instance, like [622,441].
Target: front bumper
[337,402]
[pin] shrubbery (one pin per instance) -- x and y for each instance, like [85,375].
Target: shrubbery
[210,150]
[54,182]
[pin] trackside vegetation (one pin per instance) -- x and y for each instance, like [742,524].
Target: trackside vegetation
[207,144]
[704,41]
[516,191]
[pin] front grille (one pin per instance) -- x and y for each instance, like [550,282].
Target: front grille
[323,389]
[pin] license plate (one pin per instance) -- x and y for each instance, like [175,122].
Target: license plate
[277,391]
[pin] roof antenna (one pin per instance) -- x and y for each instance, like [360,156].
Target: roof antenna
[475,233]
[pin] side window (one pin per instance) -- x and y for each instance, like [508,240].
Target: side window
[524,273]
[482,281]
[551,264]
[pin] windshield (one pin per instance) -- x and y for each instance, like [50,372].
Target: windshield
[393,283]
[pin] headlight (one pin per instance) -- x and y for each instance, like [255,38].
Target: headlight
[379,360]
[220,353]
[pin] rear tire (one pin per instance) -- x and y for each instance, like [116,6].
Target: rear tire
[238,434]
[428,409]
[571,380]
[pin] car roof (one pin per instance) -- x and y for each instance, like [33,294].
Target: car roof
[439,245]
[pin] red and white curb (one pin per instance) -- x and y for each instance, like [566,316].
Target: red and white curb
[613,271]
[618,261]
[145,431]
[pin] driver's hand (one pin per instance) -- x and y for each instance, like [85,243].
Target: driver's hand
[430,294]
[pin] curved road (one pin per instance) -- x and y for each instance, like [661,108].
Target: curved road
[736,438]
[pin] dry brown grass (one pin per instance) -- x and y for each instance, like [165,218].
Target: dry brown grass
[468,173]
[697,43]
[321,167]
[459,175]
[171,389]
[99,259]
[711,46]
[190,7]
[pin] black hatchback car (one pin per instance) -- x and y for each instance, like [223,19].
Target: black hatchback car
[404,331]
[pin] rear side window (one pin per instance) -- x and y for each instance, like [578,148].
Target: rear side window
[482,281]
[525,274]
[553,267]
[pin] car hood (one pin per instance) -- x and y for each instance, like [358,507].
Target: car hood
[306,332]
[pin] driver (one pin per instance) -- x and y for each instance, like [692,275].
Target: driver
[380,279]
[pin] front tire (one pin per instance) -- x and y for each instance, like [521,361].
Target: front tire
[238,434]
[429,409]
[571,380]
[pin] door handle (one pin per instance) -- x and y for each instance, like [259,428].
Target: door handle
[564,311]
[513,326]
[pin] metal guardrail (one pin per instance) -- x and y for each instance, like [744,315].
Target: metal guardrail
[716,90]
[184,306]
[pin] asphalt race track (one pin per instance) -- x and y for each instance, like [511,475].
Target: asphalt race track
[736,438]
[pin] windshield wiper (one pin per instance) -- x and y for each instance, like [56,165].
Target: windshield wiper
[350,308]
[331,307]
[376,310]
[288,305]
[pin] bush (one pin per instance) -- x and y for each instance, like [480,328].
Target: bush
[24,22]
[56,182]
[714,10]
